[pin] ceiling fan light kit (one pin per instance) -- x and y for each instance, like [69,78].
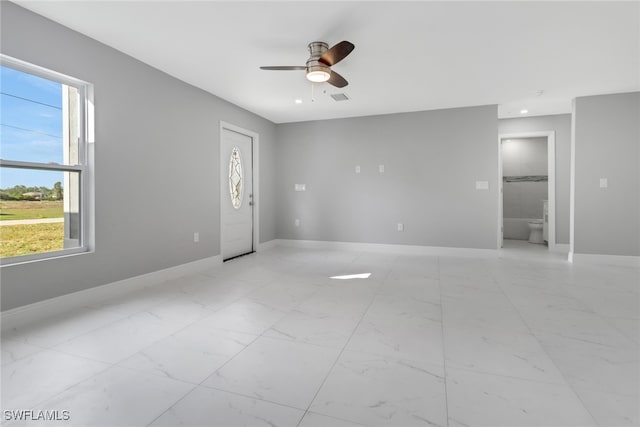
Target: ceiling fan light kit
[318,73]
[318,66]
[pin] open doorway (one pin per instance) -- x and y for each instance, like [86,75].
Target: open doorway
[526,205]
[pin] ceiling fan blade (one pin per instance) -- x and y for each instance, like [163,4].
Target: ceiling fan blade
[285,67]
[337,80]
[337,53]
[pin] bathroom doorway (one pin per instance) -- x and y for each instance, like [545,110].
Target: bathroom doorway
[526,197]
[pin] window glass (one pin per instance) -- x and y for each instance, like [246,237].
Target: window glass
[35,216]
[235,178]
[41,163]
[31,118]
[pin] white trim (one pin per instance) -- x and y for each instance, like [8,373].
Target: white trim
[387,248]
[500,197]
[37,70]
[61,304]
[42,256]
[551,172]
[551,194]
[86,169]
[255,164]
[618,260]
[41,166]
[572,183]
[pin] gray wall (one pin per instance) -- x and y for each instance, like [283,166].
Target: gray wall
[524,157]
[432,160]
[607,145]
[561,124]
[523,200]
[157,163]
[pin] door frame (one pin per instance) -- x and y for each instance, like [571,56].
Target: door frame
[551,184]
[255,165]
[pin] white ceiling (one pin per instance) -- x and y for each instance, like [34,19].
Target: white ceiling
[409,56]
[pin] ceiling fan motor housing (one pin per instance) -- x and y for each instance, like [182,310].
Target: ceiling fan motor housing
[314,66]
[317,49]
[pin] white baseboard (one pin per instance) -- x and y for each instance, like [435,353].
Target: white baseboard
[618,260]
[53,306]
[391,249]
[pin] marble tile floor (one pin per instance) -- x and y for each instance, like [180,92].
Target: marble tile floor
[271,339]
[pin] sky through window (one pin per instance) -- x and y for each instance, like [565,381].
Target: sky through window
[30,126]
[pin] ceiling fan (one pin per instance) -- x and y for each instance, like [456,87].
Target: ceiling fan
[319,63]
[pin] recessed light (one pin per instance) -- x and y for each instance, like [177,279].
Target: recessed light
[298,101]
[524,111]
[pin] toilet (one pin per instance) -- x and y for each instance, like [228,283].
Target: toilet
[535,231]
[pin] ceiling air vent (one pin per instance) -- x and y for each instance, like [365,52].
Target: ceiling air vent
[339,96]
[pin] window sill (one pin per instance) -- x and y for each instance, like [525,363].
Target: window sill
[46,256]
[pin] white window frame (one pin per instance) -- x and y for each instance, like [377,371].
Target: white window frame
[84,168]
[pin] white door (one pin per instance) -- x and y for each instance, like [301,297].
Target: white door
[236,193]
[500,198]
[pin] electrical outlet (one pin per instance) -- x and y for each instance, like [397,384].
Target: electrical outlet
[297,222]
[196,237]
[381,168]
[482,185]
[400,226]
[604,183]
[357,168]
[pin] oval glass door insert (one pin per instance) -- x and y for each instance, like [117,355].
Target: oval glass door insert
[236,179]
